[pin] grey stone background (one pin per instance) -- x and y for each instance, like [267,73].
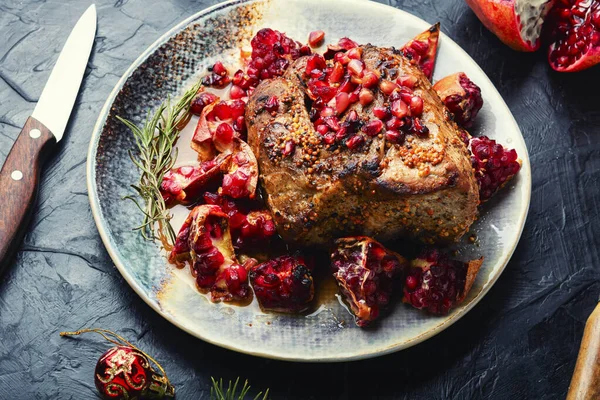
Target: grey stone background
[520,342]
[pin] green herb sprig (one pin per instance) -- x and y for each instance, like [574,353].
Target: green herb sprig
[218,393]
[154,157]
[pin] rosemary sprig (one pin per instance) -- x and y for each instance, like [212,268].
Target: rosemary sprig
[154,156]
[217,392]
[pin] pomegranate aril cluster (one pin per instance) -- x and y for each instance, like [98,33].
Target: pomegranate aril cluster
[576,32]
[272,52]
[437,283]
[205,241]
[337,84]
[493,164]
[284,284]
[249,229]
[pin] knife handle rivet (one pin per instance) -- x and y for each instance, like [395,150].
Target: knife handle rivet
[16,175]
[35,133]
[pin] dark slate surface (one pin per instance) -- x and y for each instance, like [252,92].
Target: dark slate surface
[521,341]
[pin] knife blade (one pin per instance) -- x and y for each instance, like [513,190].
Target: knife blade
[19,177]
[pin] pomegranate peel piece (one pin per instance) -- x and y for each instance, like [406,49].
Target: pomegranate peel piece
[461,96]
[202,141]
[517,23]
[365,270]
[422,50]
[284,284]
[210,251]
[241,172]
[436,283]
[494,165]
[185,184]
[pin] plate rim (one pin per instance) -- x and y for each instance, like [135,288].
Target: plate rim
[525,174]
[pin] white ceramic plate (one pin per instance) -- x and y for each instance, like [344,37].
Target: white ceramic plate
[173,63]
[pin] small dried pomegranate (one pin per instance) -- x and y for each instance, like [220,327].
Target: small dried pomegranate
[364,271]
[436,283]
[185,184]
[574,28]
[241,176]
[205,241]
[284,284]
[218,76]
[493,164]
[422,50]
[461,96]
[518,23]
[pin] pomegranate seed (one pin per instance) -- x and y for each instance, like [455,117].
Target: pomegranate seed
[322,129]
[346,86]
[356,67]
[224,133]
[315,38]
[353,97]
[419,128]
[352,117]
[394,123]
[387,87]
[202,100]
[236,92]
[327,112]
[420,47]
[239,124]
[381,112]
[355,142]
[416,105]
[333,123]
[237,108]
[394,136]
[222,111]
[342,58]
[408,81]
[289,147]
[342,101]
[347,43]
[337,73]
[373,127]
[399,109]
[406,95]
[365,97]
[219,69]
[315,62]
[329,138]
[355,53]
[272,104]
[370,79]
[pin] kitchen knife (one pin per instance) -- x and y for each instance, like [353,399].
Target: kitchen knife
[585,384]
[19,177]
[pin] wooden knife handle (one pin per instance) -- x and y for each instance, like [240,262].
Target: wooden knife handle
[585,384]
[19,179]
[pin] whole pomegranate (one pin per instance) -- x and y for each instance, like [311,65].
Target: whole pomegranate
[461,96]
[518,23]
